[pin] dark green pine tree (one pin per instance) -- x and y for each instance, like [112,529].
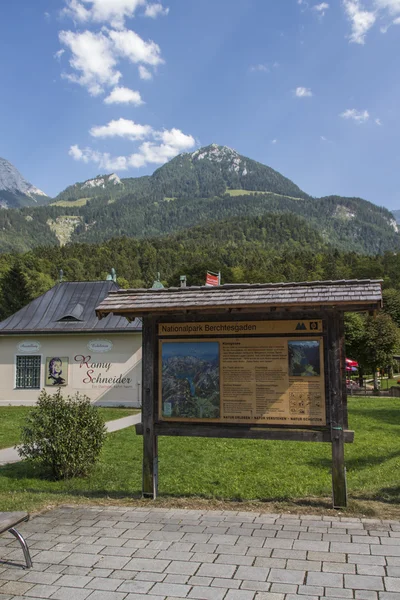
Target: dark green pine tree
[15,291]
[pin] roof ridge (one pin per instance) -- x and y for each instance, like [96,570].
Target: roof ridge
[247,286]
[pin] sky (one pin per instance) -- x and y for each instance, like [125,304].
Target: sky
[309,87]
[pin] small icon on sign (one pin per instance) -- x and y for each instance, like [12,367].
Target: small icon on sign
[300,327]
[314,325]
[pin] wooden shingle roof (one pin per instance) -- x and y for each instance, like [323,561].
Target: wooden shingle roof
[355,295]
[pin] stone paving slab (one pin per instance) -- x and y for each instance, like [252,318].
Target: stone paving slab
[121,553]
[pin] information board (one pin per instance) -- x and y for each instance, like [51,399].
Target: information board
[272,380]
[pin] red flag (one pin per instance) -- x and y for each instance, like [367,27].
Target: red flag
[212,279]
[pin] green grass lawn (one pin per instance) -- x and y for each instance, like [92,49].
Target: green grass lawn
[78,202]
[235,193]
[12,419]
[229,469]
[387,383]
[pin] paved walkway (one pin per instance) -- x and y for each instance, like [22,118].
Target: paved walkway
[118,424]
[10,455]
[126,553]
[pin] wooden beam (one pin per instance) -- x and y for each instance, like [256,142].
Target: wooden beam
[236,432]
[149,402]
[339,486]
[343,371]
[132,312]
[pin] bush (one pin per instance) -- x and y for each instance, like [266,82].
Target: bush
[65,435]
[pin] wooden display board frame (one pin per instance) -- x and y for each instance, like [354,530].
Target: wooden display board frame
[334,432]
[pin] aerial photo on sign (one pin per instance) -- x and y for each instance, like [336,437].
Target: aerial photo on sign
[190,380]
[304,358]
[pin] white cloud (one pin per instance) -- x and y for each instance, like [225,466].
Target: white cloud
[123,95]
[130,45]
[174,141]
[378,122]
[122,128]
[158,148]
[302,92]
[113,12]
[321,8]
[361,20]
[260,68]
[155,10]
[76,153]
[175,138]
[102,159]
[274,141]
[145,73]
[77,11]
[93,58]
[359,116]
[392,6]
[57,55]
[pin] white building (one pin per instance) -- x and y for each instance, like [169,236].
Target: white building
[57,341]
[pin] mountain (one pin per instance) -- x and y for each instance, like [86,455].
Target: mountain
[210,171]
[204,187]
[204,173]
[396,214]
[99,186]
[15,191]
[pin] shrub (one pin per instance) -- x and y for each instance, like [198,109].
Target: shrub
[65,435]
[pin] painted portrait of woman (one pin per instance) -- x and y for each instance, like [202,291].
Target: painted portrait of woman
[57,371]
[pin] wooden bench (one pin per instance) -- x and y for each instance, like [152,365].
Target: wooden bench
[8,522]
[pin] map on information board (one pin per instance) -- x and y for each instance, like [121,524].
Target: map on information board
[190,380]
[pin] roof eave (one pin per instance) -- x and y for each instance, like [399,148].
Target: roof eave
[132,313]
[67,332]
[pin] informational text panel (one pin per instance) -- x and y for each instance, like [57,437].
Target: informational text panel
[251,380]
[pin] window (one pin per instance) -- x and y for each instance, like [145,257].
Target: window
[28,372]
[73,315]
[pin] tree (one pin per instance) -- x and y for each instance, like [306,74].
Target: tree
[371,341]
[391,304]
[354,325]
[15,292]
[380,343]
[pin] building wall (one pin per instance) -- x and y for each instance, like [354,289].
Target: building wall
[106,368]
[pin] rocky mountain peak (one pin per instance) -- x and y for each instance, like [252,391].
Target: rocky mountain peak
[101,181]
[13,182]
[215,153]
[222,155]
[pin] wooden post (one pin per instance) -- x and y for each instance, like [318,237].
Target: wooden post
[343,372]
[339,488]
[149,402]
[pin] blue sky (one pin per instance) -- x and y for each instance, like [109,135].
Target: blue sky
[308,87]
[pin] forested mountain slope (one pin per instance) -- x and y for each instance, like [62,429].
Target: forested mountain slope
[269,248]
[396,214]
[212,184]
